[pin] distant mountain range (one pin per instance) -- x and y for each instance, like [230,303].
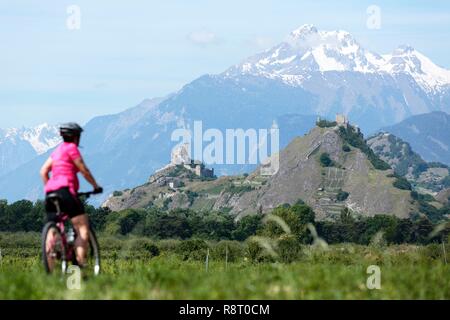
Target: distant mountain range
[18,146]
[311,73]
[428,134]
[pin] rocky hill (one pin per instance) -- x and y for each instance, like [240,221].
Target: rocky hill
[330,168]
[425,177]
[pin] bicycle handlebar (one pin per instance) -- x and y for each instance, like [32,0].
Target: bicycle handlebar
[90,193]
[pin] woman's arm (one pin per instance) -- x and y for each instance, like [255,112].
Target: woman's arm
[86,172]
[45,170]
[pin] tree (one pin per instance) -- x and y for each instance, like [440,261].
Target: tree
[325,160]
[218,226]
[98,217]
[18,216]
[346,148]
[356,139]
[4,222]
[404,231]
[342,195]
[386,224]
[128,221]
[422,230]
[402,183]
[296,217]
[246,227]
[326,124]
[166,225]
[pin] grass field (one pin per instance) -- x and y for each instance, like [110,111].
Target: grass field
[340,272]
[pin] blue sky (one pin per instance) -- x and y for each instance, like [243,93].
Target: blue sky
[129,50]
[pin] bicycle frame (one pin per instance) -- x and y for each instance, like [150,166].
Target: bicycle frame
[61,219]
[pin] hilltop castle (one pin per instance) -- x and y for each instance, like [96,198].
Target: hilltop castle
[180,156]
[341,120]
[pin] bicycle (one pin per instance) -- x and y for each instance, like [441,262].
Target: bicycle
[58,247]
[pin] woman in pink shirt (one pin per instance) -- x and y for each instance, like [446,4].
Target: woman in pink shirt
[64,164]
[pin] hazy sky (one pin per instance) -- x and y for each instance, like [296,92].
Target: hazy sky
[129,50]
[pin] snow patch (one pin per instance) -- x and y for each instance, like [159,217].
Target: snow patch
[41,138]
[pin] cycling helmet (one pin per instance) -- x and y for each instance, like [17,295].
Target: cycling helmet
[70,129]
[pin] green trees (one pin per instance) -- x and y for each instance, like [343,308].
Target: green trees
[191,196]
[4,218]
[27,216]
[296,218]
[129,220]
[402,183]
[356,140]
[194,249]
[98,217]
[363,230]
[325,160]
[166,225]
[404,234]
[342,195]
[21,216]
[326,124]
[211,225]
[176,224]
[217,226]
[384,223]
[247,227]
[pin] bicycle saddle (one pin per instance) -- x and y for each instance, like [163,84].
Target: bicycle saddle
[53,196]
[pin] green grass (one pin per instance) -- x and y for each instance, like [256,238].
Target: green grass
[407,272]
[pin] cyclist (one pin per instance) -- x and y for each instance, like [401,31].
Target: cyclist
[64,164]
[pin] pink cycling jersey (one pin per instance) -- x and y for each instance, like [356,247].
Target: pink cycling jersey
[64,170]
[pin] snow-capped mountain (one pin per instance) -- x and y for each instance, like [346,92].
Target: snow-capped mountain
[41,138]
[345,77]
[407,60]
[20,145]
[307,50]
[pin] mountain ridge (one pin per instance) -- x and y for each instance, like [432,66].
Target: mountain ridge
[369,191]
[20,145]
[308,49]
[428,134]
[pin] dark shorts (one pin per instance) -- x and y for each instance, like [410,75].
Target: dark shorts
[69,204]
